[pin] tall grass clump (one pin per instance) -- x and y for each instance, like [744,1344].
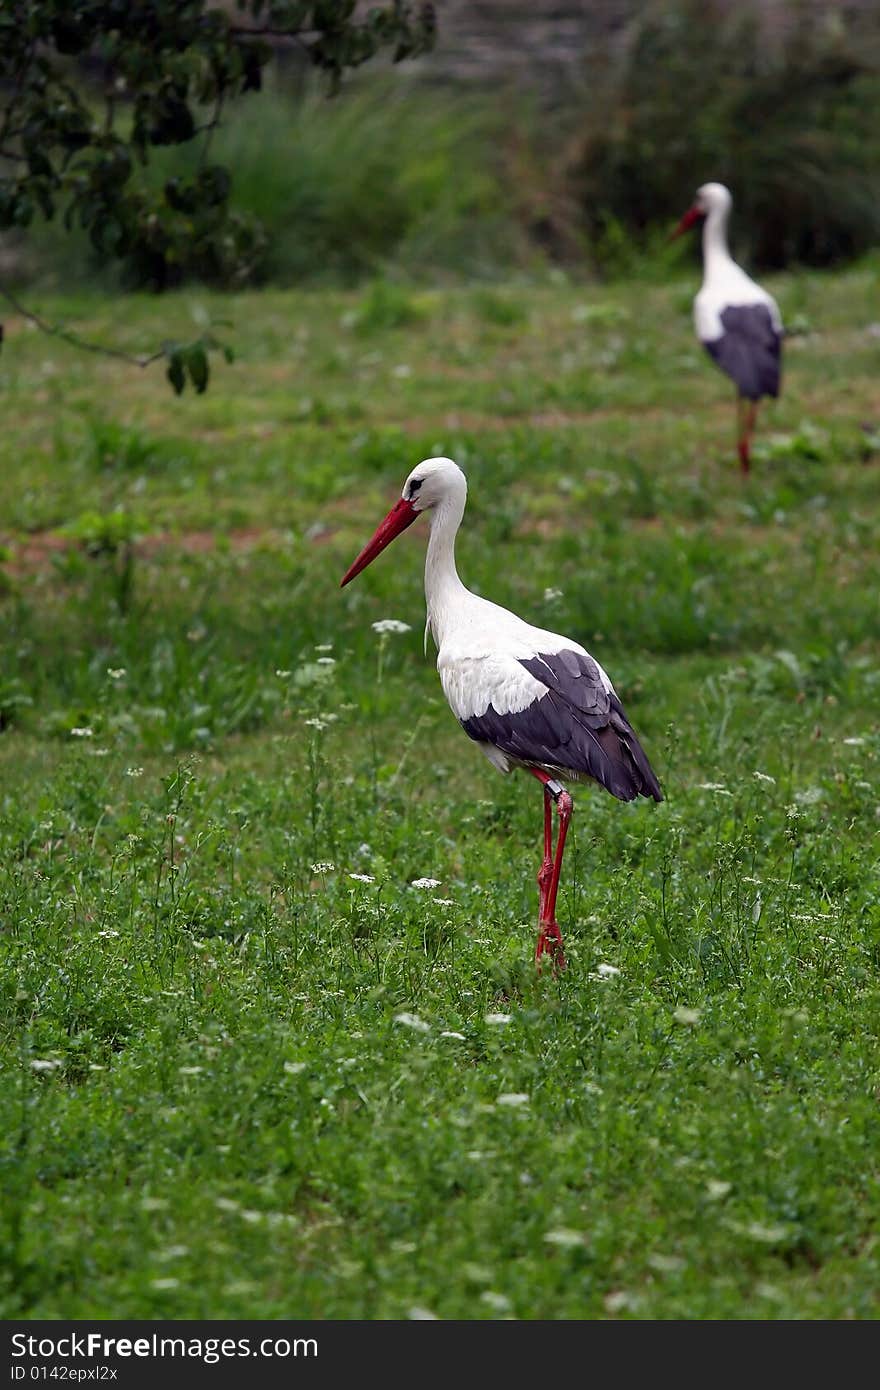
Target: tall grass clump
[785,109]
[387,173]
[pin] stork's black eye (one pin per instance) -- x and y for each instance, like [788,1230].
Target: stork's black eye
[414,487]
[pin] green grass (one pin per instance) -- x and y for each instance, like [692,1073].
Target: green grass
[269,1089]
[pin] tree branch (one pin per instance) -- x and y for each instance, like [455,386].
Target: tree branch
[59,331]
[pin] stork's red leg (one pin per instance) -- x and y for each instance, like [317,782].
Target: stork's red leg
[742,434]
[751,417]
[549,935]
[545,873]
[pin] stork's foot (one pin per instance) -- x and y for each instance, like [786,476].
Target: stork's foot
[550,944]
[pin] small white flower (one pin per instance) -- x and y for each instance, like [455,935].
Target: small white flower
[714,787]
[617,1300]
[324,647]
[448,1033]
[116,672]
[413,1021]
[688,1017]
[134,772]
[363,878]
[391,625]
[607,972]
[551,594]
[854,742]
[326,661]
[315,723]
[497,1301]
[82,733]
[294,1068]
[425,883]
[566,1239]
[513,1098]
[444,902]
[323,867]
[282,675]
[108,931]
[764,777]
[499,1018]
[44,1064]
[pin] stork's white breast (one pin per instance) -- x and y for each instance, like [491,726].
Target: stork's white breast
[480,663]
[729,288]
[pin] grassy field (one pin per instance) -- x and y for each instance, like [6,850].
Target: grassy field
[249,1068]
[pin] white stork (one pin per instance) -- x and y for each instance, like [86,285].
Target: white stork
[529,698]
[738,323]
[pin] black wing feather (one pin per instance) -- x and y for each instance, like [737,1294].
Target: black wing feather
[749,350]
[577,727]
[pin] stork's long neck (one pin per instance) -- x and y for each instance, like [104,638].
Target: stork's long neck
[444,590]
[716,256]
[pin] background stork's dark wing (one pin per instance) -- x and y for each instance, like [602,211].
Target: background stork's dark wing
[578,726]
[749,350]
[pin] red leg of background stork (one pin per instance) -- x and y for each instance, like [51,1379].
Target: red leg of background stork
[549,935]
[746,413]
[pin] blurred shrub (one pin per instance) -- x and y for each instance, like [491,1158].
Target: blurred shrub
[784,108]
[387,174]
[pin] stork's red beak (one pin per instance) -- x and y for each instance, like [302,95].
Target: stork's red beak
[691,216]
[402,514]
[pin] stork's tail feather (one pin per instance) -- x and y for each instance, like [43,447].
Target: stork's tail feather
[642,773]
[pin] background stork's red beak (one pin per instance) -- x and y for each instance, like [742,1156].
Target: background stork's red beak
[402,514]
[691,216]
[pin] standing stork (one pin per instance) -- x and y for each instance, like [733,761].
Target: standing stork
[738,323]
[529,698]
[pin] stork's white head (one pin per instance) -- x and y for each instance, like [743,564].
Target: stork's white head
[432,482]
[710,198]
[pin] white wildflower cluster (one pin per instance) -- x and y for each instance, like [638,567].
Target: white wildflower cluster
[323,866]
[425,883]
[407,1020]
[116,672]
[84,732]
[363,878]
[390,625]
